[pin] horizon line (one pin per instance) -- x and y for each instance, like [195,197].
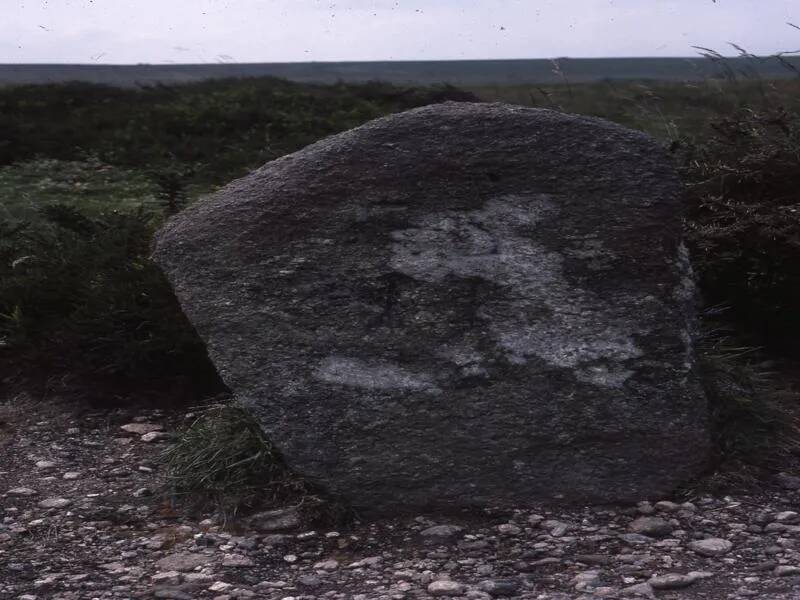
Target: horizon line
[427,60]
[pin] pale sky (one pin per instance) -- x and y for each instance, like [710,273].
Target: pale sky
[210,31]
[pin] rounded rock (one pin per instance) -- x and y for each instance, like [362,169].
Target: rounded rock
[711,547]
[445,587]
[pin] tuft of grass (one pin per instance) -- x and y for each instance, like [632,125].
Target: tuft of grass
[222,460]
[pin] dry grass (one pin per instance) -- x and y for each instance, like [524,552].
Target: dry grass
[223,460]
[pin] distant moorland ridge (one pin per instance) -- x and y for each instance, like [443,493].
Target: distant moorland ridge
[463,72]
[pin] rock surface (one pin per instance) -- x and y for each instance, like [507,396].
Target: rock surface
[463,304]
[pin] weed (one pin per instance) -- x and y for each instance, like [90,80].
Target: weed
[222,459]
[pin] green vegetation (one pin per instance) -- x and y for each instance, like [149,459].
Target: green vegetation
[753,409]
[223,460]
[744,220]
[668,111]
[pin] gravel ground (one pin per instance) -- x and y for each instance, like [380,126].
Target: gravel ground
[80,520]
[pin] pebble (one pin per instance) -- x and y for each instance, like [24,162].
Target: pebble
[22,491]
[237,560]
[509,529]
[141,428]
[442,531]
[184,561]
[445,588]
[55,503]
[711,547]
[166,578]
[651,527]
[327,565]
[500,587]
[671,581]
[275,520]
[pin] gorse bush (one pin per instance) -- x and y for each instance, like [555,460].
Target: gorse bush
[744,220]
[81,291]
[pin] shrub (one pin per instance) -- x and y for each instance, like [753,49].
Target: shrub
[755,425]
[228,126]
[81,292]
[222,459]
[744,220]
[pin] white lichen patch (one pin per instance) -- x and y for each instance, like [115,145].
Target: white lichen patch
[542,314]
[373,375]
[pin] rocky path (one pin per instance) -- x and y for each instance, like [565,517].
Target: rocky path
[78,519]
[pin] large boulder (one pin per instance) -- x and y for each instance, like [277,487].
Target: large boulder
[462,304]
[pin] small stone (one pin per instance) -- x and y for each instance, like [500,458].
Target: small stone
[219,586]
[55,503]
[311,581]
[166,578]
[586,580]
[635,539]
[183,561]
[155,436]
[370,561]
[671,581]
[442,531]
[500,587]
[640,590]
[535,520]
[651,526]
[788,517]
[142,492]
[786,570]
[645,508]
[22,491]
[327,565]
[711,547]
[509,529]
[275,520]
[445,587]
[141,428]
[275,539]
[71,475]
[45,465]
[236,560]
[555,528]
[667,506]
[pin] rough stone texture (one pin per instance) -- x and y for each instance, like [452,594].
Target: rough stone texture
[460,304]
